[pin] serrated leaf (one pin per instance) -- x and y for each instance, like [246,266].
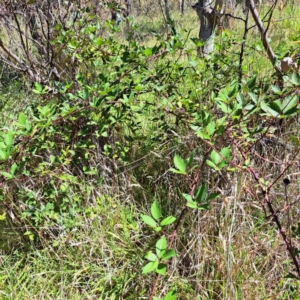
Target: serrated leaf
[168,254]
[190,160]
[148,220]
[289,103]
[179,163]
[167,221]
[276,105]
[150,256]
[155,210]
[201,193]
[215,157]
[13,169]
[211,164]
[225,152]
[223,107]
[149,267]
[265,107]
[161,269]
[161,245]
[291,112]
[210,128]
[203,135]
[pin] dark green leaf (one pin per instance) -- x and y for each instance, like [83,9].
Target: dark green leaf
[168,254]
[201,193]
[161,269]
[212,196]
[170,296]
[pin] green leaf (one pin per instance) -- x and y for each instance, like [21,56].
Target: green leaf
[289,103]
[161,245]
[7,175]
[167,221]
[170,296]
[176,171]
[201,193]
[38,88]
[13,169]
[161,269]
[211,164]
[150,256]
[203,135]
[3,154]
[265,107]
[188,197]
[203,207]
[8,139]
[192,205]
[212,196]
[276,106]
[148,220]
[148,52]
[215,157]
[276,89]
[155,210]
[225,152]
[168,254]
[210,128]
[22,118]
[179,163]
[224,108]
[251,82]
[158,229]
[295,78]
[190,160]
[149,267]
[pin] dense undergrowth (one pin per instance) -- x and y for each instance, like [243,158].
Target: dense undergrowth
[152,161]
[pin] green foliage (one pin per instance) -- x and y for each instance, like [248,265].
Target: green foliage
[140,122]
